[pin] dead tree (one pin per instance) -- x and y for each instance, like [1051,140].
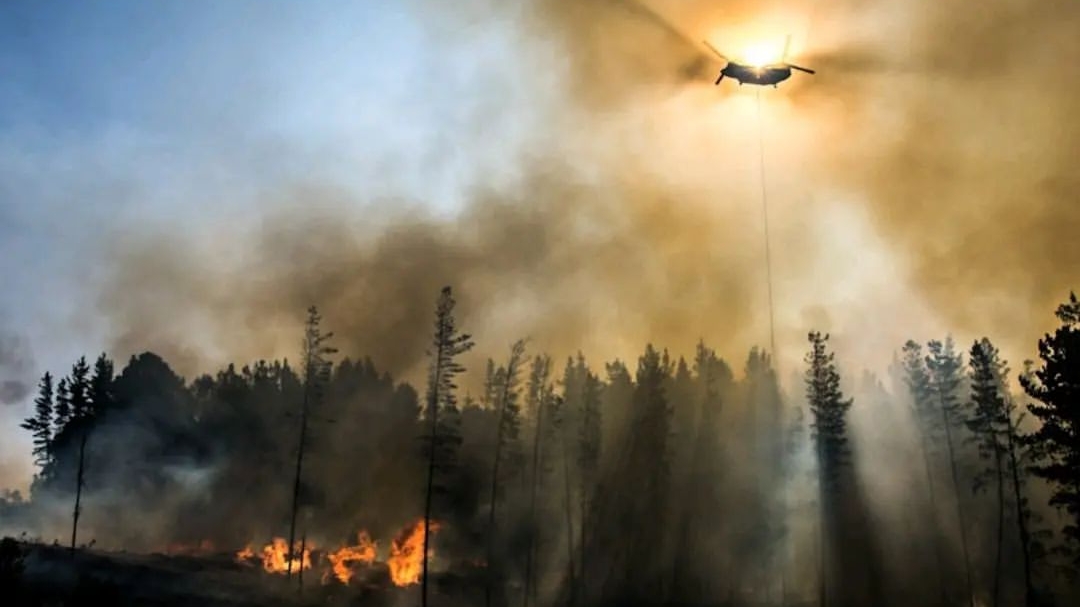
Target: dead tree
[447,344]
[316,371]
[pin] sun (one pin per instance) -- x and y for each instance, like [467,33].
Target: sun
[759,55]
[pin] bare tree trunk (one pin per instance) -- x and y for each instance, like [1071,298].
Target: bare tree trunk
[495,486]
[1001,525]
[516,352]
[300,572]
[568,505]
[822,533]
[78,489]
[1021,517]
[296,478]
[583,572]
[934,513]
[530,555]
[959,508]
[433,411]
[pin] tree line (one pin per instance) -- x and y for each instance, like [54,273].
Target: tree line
[669,481]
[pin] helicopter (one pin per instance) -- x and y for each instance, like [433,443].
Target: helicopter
[762,75]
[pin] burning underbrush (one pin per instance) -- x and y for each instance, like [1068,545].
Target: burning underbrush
[364,562]
[369,567]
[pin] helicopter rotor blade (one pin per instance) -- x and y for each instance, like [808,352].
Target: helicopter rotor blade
[801,69]
[787,45]
[713,49]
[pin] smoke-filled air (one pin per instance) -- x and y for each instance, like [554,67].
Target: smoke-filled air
[541,303]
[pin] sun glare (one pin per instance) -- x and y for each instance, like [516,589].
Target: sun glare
[760,55]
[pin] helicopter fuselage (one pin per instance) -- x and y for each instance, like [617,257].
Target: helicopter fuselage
[763,76]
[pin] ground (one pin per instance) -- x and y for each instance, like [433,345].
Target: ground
[52,576]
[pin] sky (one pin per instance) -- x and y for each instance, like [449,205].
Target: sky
[187,177]
[123,114]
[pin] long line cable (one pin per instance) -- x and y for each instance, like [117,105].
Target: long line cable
[765,222]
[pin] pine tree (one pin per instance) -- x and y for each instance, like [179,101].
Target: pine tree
[79,387]
[540,397]
[40,425]
[650,464]
[491,385]
[62,408]
[508,426]
[316,372]
[765,526]
[560,424]
[581,389]
[828,408]
[989,423]
[447,344]
[101,396]
[708,373]
[917,379]
[1055,385]
[944,366]
[1018,465]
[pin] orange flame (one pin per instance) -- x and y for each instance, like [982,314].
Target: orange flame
[406,554]
[275,557]
[342,560]
[405,562]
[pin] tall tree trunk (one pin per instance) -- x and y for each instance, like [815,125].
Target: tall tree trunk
[296,477]
[1021,517]
[300,572]
[956,492]
[495,485]
[583,574]
[683,552]
[1001,524]
[568,506]
[823,555]
[933,513]
[530,555]
[78,489]
[433,411]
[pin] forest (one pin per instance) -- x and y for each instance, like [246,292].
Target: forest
[675,480]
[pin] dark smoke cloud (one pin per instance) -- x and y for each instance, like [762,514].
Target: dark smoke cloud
[635,217]
[16,369]
[551,266]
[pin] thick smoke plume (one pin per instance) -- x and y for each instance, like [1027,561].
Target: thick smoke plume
[922,180]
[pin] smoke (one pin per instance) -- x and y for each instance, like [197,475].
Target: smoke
[16,369]
[918,183]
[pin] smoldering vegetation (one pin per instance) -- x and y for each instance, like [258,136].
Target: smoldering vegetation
[50,575]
